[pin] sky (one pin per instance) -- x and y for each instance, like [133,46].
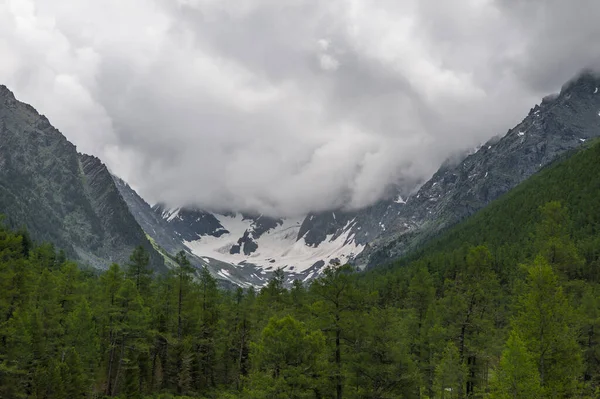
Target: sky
[288,106]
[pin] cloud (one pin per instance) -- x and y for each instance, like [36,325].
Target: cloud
[284,107]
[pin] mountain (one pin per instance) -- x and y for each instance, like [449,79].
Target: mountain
[62,196]
[508,224]
[254,245]
[169,232]
[559,124]
[242,248]
[72,200]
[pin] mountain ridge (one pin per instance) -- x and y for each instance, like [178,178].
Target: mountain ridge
[99,214]
[61,195]
[391,228]
[558,124]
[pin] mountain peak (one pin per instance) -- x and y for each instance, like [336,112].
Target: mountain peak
[586,80]
[5,92]
[61,196]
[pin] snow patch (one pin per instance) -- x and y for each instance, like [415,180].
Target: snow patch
[582,140]
[224,273]
[280,245]
[596,91]
[171,214]
[399,200]
[521,133]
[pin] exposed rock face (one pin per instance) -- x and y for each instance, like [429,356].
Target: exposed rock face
[44,183]
[171,228]
[559,124]
[254,245]
[61,196]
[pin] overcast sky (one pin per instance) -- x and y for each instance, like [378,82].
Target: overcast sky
[286,106]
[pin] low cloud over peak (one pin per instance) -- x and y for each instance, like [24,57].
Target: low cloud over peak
[284,107]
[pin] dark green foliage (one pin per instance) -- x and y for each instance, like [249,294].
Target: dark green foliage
[504,305]
[138,269]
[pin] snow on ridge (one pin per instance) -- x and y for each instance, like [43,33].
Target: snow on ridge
[279,247]
[224,273]
[236,225]
[400,200]
[170,214]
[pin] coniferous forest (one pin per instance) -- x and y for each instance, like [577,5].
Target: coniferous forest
[503,305]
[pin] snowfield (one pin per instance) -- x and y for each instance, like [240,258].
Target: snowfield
[277,247]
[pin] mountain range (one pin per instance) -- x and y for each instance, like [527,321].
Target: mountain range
[72,200]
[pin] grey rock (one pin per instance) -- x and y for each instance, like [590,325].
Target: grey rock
[559,124]
[59,195]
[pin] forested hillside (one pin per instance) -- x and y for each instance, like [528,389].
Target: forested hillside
[505,305]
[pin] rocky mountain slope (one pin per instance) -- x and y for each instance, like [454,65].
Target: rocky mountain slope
[244,249]
[255,245]
[72,200]
[559,124]
[170,235]
[60,195]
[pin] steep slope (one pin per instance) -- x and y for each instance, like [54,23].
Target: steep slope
[262,241]
[242,248]
[559,124]
[253,245]
[62,196]
[391,227]
[507,225]
[169,231]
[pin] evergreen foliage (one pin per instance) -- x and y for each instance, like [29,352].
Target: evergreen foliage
[504,305]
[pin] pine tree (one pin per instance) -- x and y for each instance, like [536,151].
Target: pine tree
[450,375]
[110,285]
[76,382]
[379,361]
[517,376]
[545,322]
[337,298]
[138,271]
[206,336]
[289,359]
[590,334]
[81,336]
[554,243]
[131,338]
[183,273]
[470,304]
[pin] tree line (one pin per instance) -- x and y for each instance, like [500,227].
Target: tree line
[462,322]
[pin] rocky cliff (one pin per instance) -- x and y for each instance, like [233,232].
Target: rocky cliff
[60,195]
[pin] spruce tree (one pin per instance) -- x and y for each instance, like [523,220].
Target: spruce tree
[517,376]
[545,323]
[138,271]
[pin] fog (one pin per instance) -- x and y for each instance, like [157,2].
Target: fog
[285,107]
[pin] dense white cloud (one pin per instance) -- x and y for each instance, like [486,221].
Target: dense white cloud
[287,106]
